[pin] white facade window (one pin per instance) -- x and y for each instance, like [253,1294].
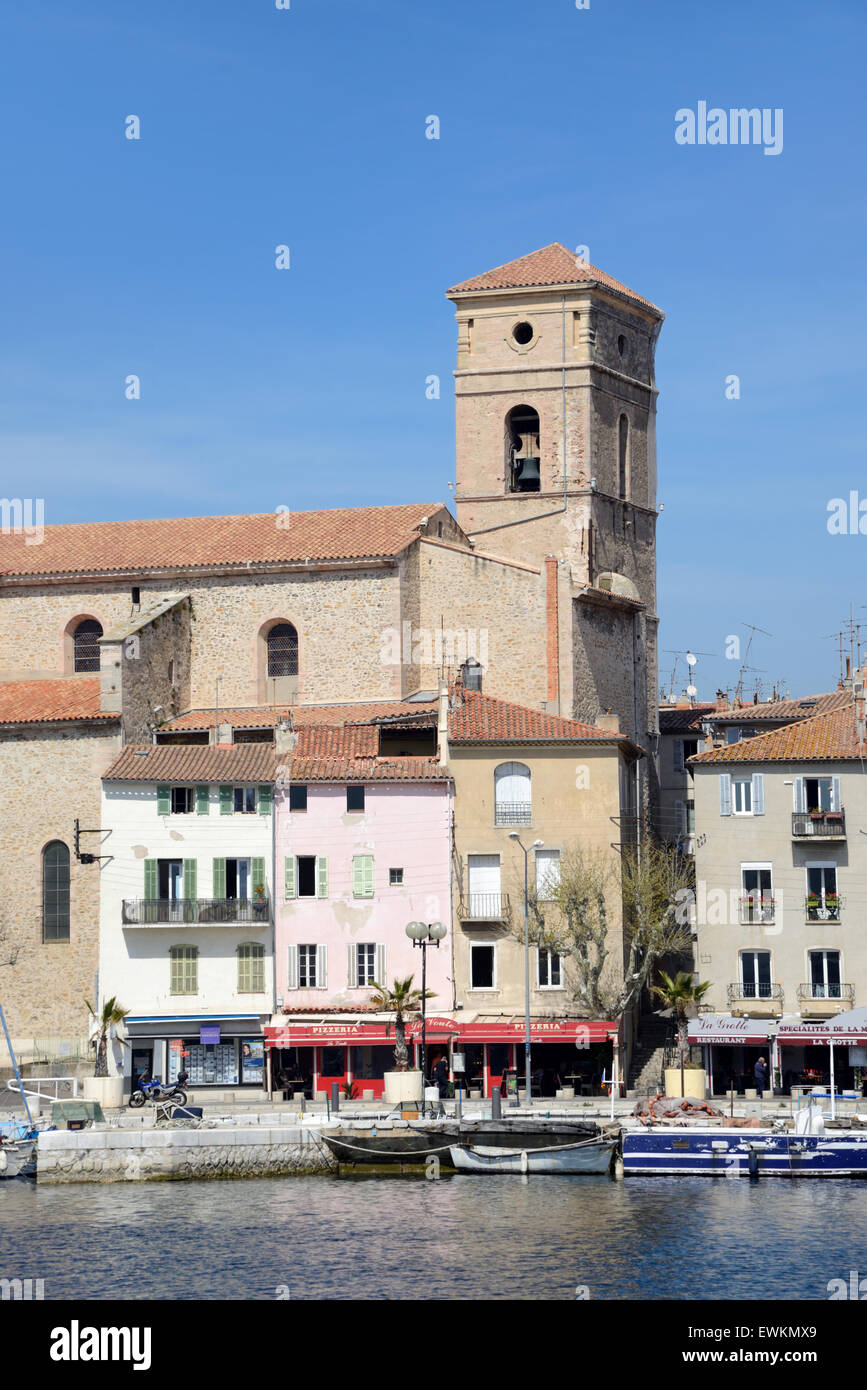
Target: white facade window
[547,873]
[742,796]
[757,893]
[483,966]
[755,974]
[483,874]
[183,800]
[307,967]
[245,800]
[824,982]
[365,964]
[550,973]
[512,795]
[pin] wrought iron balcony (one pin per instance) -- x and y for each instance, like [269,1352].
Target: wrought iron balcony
[214,912]
[756,909]
[842,994]
[484,907]
[823,909]
[513,813]
[824,825]
[750,993]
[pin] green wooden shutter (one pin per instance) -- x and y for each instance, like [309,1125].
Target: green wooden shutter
[203,801]
[265,800]
[258,867]
[368,875]
[356,876]
[227,801]
[362,875]
[289,875]
[189,878]
[219,885]
[164,800]
[321,876]
[151,879]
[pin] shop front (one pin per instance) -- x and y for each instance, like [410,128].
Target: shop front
[797,1052]
[312,1055]
[224,1050]
[564,1053]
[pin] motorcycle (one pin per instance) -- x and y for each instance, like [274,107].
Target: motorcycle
[151,1088]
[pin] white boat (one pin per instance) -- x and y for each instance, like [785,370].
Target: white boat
[590,1156]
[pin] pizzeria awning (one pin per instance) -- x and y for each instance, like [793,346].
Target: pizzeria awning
[726,1029]
[541,1030]
[354,1034]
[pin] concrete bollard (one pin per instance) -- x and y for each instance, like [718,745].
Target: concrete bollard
[496,1098]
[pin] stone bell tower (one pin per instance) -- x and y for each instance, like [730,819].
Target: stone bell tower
[556,457]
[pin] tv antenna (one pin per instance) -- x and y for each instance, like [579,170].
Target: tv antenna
[753,629]
[691,659]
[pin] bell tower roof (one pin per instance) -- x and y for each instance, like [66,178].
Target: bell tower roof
[551,265]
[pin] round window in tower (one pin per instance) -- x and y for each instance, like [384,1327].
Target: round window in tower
[522,333]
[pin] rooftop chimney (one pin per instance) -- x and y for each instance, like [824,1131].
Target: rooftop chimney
[608,721]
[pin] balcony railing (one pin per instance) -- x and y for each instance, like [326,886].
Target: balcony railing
[845,994]
[825,825]
[756,909]
[513,813]
[484,907]
[160,912]
[739,992]
[820,909]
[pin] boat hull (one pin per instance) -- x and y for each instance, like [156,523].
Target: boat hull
[715,1152]
[378,1145]
[18,1158]
[591,1157]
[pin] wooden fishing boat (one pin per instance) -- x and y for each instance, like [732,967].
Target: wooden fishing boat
[588,1156]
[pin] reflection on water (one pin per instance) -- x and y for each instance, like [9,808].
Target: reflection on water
[463,1237]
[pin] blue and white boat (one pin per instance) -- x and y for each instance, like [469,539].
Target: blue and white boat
[712,1151]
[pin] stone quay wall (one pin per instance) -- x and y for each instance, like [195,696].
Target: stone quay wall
[72,1156]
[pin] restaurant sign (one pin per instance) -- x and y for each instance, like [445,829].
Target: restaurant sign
[725,1028]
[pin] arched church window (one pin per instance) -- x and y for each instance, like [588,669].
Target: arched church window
[282,642]
[522,447]
[85,641]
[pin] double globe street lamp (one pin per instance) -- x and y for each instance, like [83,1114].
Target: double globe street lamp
[424,934]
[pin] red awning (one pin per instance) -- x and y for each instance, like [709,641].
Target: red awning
[363,1034]
[541,1030]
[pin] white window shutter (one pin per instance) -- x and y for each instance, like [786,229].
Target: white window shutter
[758,793]
[836,803]
[798,792]
[321,966]
[351,967]
[292,968]
[380,966]
[725,793]
[678,755]
[680,817]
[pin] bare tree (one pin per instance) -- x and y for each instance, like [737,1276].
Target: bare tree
[577,917]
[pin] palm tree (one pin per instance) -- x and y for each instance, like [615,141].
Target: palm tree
[110,1015]
[681,995]
[401,1000]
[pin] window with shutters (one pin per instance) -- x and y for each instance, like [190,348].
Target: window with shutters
[365,964]
[362,875]
[307,967]
[251,968]
[85,642]
[183,800]
[742,796]
[245,802]
[547,873]
[549,969]
[55,892]
[306,876]
[512,797]
[184,970]
[818,794]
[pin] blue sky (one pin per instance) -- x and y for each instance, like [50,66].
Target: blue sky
[306,387]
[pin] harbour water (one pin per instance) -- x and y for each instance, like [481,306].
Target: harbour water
[461,1237]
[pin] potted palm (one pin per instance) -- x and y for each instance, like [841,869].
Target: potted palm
[681,996]
[404,1083]
[103,1086]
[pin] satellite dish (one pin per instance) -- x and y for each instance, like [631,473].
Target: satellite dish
[691,659]
[691,690]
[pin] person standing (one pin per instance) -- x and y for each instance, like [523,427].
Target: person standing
[441,1077]
[760,1072]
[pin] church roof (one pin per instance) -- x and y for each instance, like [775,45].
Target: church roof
[206,542]
[50,701]
[551,265]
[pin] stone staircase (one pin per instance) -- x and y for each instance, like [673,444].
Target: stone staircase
[646,1065]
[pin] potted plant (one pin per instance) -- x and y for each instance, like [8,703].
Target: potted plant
[103,1087]
[403,1083]
[259,899]
[681,996]
[350,1090]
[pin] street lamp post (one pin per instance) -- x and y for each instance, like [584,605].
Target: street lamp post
[528,1092]
[424,934]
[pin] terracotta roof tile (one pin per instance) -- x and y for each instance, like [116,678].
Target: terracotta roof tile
[267,717]
[829,737]
[673,720]
[479,718]
[802,708]
[551,265]
[240,762]
[198,542]
[33,702]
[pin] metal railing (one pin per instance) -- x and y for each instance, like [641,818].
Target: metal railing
[741,991]
[845,993]
[821,824]
[513,813]
[821,909]
[29,1082]
[756,909]
[158,912]
[484,907]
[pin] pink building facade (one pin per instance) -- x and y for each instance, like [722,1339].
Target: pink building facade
[355,862]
